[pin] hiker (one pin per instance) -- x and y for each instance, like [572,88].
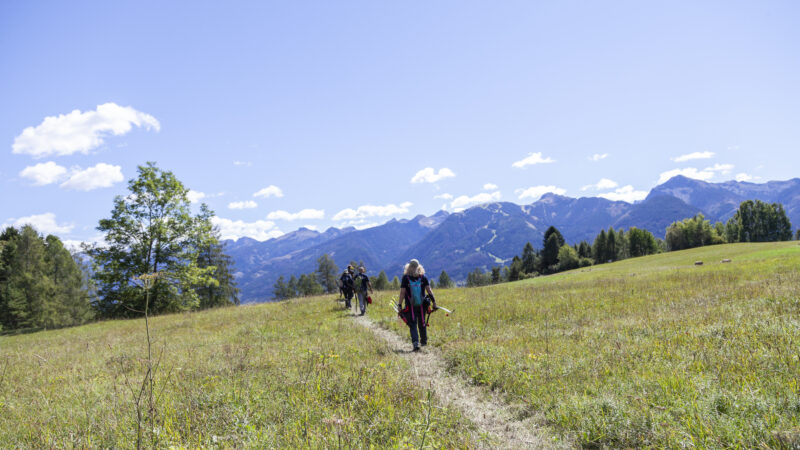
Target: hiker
[413,290]
[347,285]
[362,285]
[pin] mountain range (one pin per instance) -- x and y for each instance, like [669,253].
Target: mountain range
[491,234]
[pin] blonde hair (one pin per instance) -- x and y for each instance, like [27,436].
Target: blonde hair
[413,269]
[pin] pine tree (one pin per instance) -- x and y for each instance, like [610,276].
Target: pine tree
[444,280]
[280,290]
[396,283]
[550,252]
[599,248]
[495,274]
[611,245]
[326,273]
[291,286]
[515,269]
[528,258]
[382,282]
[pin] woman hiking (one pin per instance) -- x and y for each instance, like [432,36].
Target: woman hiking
[362,285]
[413,289]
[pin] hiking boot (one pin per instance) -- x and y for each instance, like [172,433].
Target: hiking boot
[416,348]
[424,344]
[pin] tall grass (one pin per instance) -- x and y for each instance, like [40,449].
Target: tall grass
[298,374]
[648,352]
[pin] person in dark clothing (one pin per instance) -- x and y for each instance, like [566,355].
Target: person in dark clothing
[362,286]
[413,289]
[347,286]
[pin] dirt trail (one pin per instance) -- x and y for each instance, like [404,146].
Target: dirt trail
[493,417]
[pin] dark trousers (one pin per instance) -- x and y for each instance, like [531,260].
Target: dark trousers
[418,323]
[348,295]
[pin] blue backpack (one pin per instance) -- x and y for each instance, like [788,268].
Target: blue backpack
[415,289]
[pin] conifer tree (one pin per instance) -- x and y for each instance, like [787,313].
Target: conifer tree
[528,258]
[326,273]
[382,282]
[444,280]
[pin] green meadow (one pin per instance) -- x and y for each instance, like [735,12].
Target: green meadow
[297,374]
[647,352]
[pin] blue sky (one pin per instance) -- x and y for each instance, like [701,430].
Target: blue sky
[329,110]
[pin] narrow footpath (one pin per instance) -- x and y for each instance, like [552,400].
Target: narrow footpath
[494,418]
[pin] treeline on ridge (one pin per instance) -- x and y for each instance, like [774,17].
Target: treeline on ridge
[754,221]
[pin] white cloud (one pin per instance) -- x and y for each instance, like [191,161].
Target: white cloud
[269,191]
[692,172]
[745,177]
[428,175]
[44,223]
[604,183]
[80,132]
[490,187]
[242,163]
[689,172]
[598,157]
[532,158]
[44,173]
[195,196]
[234,229]
[247,204]
[723,169]
[100,176]
[625,194]
[695,155]
[462,201]
[305,214]
[362,212]
[359,224]
[535,192]
[444,196]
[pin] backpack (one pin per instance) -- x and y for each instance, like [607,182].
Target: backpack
[415,291]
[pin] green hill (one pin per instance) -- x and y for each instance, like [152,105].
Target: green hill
[652,351]
[289,375]
[646,352]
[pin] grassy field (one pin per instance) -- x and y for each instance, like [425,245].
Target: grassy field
[297,374]
[647,352]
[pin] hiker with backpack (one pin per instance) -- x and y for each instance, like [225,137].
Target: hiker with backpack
[362,286]
[347,285]
[416,291]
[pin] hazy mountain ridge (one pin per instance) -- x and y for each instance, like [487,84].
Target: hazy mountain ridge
[491,234]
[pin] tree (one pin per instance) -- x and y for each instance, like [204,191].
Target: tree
[291,286]
[307,285]
[515,269]
[396,283]
[599,248]
[444,280]
[641,242]
[550,252]
[41,284]
[152,230]
[567,258]
[478,278]
[495,274]
[691,233]
[528,258]
[382,282]
[584,249]
[223,291]
[280,289]
[797,235]
[326,273]
[611,245]
[757,221]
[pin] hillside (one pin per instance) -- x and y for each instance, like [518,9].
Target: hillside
[596,355]
[288,375]
[491,234]
[708,353]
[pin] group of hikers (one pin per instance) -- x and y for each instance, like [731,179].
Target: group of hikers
[415,304]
